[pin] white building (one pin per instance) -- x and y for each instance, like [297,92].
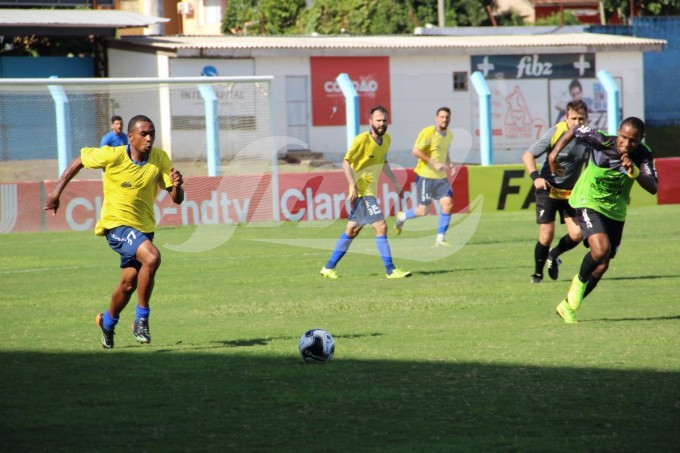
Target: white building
[529,76]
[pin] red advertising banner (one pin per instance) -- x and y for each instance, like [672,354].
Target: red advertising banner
[20,207]
[668,170]
[370,76]
[213,200]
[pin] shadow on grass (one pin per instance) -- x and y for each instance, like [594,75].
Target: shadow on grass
[228,399]
[242,343]
[652,318]
[642,277]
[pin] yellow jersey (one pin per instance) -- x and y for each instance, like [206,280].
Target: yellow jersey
[435,146]
[367,157]
[130,188]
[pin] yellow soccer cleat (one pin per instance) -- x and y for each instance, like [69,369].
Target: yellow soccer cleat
[565,312]
[398,273]
[329,273]
[575,294]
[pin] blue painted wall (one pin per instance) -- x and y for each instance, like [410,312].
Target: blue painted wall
[25,119]
[661,69]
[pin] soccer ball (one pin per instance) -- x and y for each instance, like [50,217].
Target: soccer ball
[316,346]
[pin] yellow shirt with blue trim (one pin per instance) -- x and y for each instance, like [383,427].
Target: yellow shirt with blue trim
[130,188]
[436,147]
[367,157]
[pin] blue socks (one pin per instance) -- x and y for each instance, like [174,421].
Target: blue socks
[444,220]
[410,214]
[340,249]
[343,244]
[108,322]
[142,312]
[385,252]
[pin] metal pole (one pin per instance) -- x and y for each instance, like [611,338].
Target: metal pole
[212,124]
[63,125]
[484,96]
[613,108]
[440,13]
[351,106]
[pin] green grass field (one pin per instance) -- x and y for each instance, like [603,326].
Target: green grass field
[466,355]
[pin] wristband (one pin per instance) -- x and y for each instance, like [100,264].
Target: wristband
[534,175]
[634,172]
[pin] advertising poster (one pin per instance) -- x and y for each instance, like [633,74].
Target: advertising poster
[589,90]
[371,79]
[519,113]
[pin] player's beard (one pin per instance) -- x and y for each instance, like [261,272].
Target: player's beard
[379,131]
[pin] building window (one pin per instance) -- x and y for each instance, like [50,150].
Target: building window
[460,81]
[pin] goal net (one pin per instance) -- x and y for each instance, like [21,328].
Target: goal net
[196,119]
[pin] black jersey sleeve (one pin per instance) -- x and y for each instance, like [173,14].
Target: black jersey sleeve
[597,139]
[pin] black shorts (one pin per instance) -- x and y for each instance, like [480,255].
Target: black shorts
[547,208]
[592,222]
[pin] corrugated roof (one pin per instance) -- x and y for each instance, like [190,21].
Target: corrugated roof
[73,18]
[226,46]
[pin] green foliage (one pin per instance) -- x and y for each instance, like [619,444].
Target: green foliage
[276,17]
[511,17]
[621,8]
[661,8]
[559,18]
[358,17]
[46,46]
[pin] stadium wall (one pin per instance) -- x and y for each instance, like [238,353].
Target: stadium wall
[660,68]
[417,84]
[315,196]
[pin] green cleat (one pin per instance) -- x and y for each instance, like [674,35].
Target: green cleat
[398,273]
[566,313]
[329,273]
[399,224]
[575,294]
[442,243]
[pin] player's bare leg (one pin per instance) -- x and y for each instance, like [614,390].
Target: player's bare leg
[150,259]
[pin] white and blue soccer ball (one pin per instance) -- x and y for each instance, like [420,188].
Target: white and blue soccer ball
[316,346]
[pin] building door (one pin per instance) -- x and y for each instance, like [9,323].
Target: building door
[297,110]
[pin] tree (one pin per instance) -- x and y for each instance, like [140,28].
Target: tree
[274,17]
[47,46]
[359,17]
[622,8]
[559,18]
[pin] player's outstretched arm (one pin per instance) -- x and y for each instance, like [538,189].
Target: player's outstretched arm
[52,201]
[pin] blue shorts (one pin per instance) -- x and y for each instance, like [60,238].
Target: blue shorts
[366,211]
[432,189]
[125,241]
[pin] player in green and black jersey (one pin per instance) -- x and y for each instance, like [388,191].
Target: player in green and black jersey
[601,197]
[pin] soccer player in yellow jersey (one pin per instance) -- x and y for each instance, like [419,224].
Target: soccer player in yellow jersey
[433,169]
[132,176]
[362,165]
